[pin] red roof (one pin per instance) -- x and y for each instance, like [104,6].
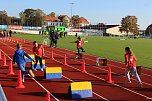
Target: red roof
[50,18]
[83,20]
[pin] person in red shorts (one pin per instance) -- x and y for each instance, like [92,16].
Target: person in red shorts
[130,62]
[79,43]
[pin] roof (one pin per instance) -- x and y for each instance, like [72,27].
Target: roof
[50,18]
[83,20]
[99,26]
[62,16]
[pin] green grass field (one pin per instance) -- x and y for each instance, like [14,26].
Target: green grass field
[111,48]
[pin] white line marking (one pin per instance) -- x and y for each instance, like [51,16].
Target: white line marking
[111,83]
[32,77]
[64,77]
[96,57]
[105,69]
[44,88]
[92,91]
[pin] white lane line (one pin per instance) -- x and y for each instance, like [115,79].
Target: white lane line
[96,57]
[106,70]
[111,83]
[33,78]
[44,88]
[5,54]
[108,59]
[64,77]
[92,91]
[108,64]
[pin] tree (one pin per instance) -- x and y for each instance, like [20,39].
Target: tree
[129,24]
[75,21]
[52,14]
[32,17]
[4,19]
[65,22]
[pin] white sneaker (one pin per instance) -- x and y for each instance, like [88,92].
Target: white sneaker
[41,69]
[35,69]
[23,80]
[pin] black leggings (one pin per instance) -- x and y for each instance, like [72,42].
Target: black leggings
[82,50]
[37,58]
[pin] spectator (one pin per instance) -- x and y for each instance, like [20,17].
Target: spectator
[10,33]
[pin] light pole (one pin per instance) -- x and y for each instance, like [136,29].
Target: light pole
[71,8]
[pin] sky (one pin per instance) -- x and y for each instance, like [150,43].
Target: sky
[96,11]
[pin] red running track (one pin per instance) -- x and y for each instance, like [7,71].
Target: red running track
[97,75]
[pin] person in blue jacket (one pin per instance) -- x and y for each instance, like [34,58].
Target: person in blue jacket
[18,57]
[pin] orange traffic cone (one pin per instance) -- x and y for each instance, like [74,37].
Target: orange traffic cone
[4,61]
[65,62]
[10,69]
[19,80]
[52,57]
[48,97]
[0,55]
[83,67]
[109,79]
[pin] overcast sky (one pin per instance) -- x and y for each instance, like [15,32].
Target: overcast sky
[106,11]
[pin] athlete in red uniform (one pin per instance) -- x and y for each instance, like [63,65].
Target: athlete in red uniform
[130,62]
[79,43]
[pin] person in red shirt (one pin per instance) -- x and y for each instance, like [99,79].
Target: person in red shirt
[79,43]
[38,51]
[130,62]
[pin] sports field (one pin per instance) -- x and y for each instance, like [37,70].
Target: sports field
[111,48]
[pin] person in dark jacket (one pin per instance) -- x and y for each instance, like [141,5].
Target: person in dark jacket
[10,33]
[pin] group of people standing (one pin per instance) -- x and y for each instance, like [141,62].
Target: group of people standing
[53,36]
[6,33]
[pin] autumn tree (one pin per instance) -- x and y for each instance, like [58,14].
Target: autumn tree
[4,19]
[75,21]
[65,22]
[129,25]
[52,14]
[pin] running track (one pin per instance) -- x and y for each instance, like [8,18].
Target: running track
[59,88]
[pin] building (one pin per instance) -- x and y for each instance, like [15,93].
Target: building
[51,21]
[83,22]
[103,29]
[114,30]
[148,31]
[15,21]
[65,20]
[61,17]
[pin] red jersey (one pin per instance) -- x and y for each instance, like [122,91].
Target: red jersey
[40,52]
[130,60]
[35,50]
[79,43]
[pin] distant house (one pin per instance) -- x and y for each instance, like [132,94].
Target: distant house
[51,21]
[83,21]
[65,18]
[61,17]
